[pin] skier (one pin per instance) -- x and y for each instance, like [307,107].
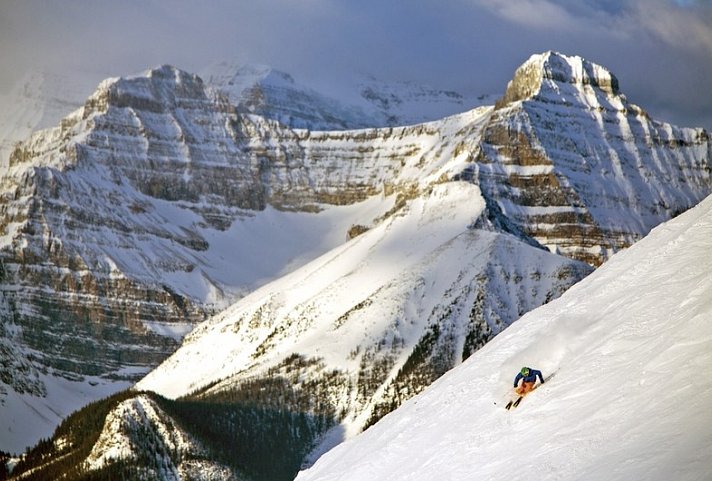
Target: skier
[528,377]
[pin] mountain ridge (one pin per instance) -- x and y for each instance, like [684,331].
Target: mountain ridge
[163,163]
[638,321]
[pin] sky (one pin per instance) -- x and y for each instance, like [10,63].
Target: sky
[660,50]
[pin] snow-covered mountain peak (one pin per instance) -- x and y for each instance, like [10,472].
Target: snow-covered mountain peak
[543,74]
[235,78]
[574,70]
[156,89]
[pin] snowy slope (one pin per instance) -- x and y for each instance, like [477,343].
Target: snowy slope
[424,280]
[265,245]
[27,418]
[367,102]
[38,101]
[157,203]
[629,348]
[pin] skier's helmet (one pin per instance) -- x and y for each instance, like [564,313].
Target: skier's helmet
[525,371]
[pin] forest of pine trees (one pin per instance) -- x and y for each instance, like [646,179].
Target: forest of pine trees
[255,442]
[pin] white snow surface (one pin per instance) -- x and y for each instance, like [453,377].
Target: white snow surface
[629,348]
[329,286]
[27,418]
[40,100]
[365,102]
[377,294]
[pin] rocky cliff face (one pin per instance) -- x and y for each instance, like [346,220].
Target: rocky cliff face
[575,165]
[159,203]
[132,220]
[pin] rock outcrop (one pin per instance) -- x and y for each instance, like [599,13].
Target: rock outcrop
[575,165]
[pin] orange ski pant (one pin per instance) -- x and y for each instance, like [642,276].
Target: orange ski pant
[525,388]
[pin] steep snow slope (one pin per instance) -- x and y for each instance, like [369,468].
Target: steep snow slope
[628,347]
[388,312]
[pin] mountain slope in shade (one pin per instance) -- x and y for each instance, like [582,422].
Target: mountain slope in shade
[628,348]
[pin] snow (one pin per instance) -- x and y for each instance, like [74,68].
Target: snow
[40,100]
[629,348]
[361,103]
[330,284]
[27,418]
[378,292]
[173,330]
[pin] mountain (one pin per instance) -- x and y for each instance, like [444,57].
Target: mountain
[370,102]
[42,98]
[275,95]
[404,103]
[120,232]
[580,168]
[322,345]
[158,204]
[389,311]
[38,101]
[415,302]
[627,348]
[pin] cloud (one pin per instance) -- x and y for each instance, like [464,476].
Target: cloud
[684,28]
[532,13]
[661,50]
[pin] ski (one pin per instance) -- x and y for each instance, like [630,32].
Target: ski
[512,404]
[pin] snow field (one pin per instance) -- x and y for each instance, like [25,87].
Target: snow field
[630,347]
[27,418]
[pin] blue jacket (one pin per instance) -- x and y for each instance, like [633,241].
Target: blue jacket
[533,373]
